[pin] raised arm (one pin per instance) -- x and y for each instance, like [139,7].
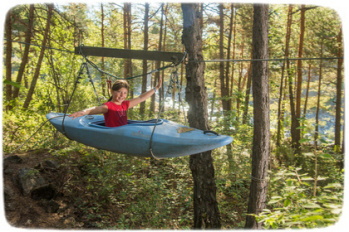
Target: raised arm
[93,110]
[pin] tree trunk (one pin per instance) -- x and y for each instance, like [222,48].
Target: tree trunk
[292,103]
[41,56]
[125,37]
[337,137]
[162,92]
[233,63]
[145,48]
[224,83]
[288,36]
[227,71]
[260,87]
[157,63]
[307,92]
[299,81]
[247,94]
[26,50]
[55,77]
[102,35]
[239,87]
[206,212]
[127,43]
[8,31]
[316,135]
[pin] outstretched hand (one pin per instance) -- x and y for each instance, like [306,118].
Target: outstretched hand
[158,86]
[77,114]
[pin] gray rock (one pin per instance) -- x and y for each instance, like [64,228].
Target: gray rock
[32,184]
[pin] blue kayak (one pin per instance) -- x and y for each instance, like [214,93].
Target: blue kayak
[170,139]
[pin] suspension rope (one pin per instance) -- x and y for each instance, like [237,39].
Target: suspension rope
[132,77]
[127,78]
[71,96]
[173,82]
[81,72]
[91,80]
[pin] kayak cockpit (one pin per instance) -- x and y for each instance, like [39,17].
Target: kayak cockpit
[152,122]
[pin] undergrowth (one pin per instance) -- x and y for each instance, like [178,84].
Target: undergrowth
[115,191]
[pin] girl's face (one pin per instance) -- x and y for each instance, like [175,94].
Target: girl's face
[119,95]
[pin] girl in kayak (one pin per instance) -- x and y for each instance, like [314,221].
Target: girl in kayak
[115,110]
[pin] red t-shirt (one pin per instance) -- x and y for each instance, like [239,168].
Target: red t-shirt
[117,114]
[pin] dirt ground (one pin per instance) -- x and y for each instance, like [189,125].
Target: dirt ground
[23,211]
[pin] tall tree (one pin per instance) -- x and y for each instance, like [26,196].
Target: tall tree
[337,138]
[316,134]
[247,93]
[27,40]
[227,69]
[261,129]
[145,48]
[157,63]
[287,44]
[239,84]
[206,212]
[307,91]
[102,37]
[127,42]
[224,81]
[8,31]
[41,56]
[296,124]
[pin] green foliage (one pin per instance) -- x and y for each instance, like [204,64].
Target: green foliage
[139,193]
[292,205]
[19,125]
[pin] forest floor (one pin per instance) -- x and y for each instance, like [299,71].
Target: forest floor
[25,212]
[119,193]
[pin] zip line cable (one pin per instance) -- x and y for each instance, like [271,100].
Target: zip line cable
[198,61]
[268,59]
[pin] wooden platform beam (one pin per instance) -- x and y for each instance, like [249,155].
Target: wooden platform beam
[129,54]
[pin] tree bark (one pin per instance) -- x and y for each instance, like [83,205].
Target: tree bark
[316,135]
[102,35]
[223,80]
[337,137]
[127,43]
[240,87]
[288,36]
[157,63]
[233,63]
[26,50]
[247,94]
[41,56]
[8,31]
[227,70]
[206,212]
[307,91]
[297,135]
[261,129]
[145,48]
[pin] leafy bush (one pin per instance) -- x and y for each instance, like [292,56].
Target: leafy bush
[293,205]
